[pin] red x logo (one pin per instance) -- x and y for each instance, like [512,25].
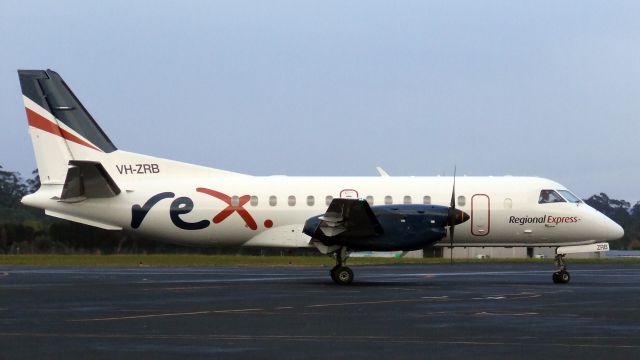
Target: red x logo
[244,214]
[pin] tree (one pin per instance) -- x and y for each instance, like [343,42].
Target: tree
[633,229]
[616,210]
[12,188]
[33,184]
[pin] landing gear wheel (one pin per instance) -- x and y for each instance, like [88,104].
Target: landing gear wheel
[342,275]
[333,273]
[561,277]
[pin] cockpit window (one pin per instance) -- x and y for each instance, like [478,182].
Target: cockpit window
[568,195]
[549,196]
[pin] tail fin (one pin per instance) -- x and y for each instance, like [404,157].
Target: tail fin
[66,140]
[61,128]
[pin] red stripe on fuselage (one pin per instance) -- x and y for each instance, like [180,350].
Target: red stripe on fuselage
[37,121]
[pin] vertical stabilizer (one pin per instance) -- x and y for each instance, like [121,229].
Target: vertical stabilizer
[61,128]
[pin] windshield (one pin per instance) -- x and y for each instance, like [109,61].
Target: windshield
[549,196]
[568,195]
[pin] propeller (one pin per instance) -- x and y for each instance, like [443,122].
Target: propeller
[454,216]
[451,217]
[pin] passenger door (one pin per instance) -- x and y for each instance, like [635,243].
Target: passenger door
[480,215]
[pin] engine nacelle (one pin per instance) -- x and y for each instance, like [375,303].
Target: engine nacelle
[387,228]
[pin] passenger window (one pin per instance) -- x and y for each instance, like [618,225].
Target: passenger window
[235,200]
[311,200]
[370,199]
[273,200]
[388,200]
[406,200]
[328,200]
[292,200]
[549,196]
[462,201]
[508,203]
[426,200]
[254,200]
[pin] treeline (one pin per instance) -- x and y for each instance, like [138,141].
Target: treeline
[27,230]
[624,214]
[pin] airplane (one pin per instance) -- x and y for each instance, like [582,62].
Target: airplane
[86,179]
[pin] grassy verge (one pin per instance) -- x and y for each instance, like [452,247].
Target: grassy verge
[241,260]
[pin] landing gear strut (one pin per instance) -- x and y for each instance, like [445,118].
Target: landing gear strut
[561,275]
[340,273]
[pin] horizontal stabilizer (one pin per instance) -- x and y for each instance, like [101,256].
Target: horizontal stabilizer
[80,220]
[87,180]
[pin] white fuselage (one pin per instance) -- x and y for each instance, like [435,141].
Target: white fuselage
[184,203]
[86,179]
[271,210]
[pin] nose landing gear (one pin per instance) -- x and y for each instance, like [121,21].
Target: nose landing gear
[561,275]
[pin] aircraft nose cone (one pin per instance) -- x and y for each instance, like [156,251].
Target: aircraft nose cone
[615,231]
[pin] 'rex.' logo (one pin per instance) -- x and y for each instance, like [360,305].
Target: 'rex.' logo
[184,205]
[244,214]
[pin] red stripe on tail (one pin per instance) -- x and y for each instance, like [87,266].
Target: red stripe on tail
[37,121]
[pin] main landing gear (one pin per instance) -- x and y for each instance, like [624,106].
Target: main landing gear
[561,275]
[340,273]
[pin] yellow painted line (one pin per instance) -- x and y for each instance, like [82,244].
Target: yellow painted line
[144,316]
[230,311]
[166,315]
[378,302]
[485,313]
[332,339]
[403,289]
[184,288]
[508,296]
[233,311]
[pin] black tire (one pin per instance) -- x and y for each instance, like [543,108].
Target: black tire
[561,277]
[343,275]
[333,273]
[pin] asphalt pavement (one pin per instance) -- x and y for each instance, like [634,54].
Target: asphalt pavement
[494,310]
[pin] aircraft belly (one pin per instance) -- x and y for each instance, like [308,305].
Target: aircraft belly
[281,236]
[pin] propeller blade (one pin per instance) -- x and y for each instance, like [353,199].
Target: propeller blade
[451,230]
[452,217]
[453,192]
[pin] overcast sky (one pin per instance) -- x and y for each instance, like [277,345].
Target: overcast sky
[542,88]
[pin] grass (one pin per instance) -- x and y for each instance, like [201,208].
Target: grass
[175,260]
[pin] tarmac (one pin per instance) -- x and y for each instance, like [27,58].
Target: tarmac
[481,311]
